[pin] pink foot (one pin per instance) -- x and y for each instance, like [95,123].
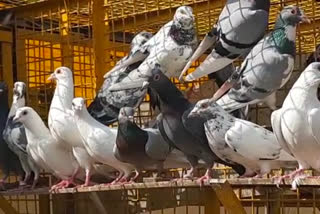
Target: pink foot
[203,179]
[291,176]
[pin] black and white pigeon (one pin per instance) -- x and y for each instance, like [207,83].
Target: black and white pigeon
[267,67]
[15,136]
[170,48]
[241,24]
[241,142]
[9,162]
[296,124]
[106,105]
[186,135]
[144,148]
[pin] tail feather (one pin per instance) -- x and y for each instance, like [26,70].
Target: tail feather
[229,104]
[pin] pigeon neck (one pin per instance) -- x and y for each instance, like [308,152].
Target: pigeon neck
[18,102]
[182,36]
[36,128]
[283,38]
[63,95]
[171,98]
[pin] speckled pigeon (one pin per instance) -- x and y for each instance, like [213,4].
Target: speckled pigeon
[241,24]
[239,141]
[106,105]
[267,67]
[170,48]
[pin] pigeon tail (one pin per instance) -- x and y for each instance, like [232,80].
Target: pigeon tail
[211,64]
[229,104]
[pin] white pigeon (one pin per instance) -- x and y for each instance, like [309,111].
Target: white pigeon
[62,125]
[296,125]
[239,141]
[170,49]
[44,149]
[99,139]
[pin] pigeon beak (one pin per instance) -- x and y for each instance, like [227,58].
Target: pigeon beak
[193,114]
[52,77]
[15,119]
[222,90]
[305,19]
[138,83]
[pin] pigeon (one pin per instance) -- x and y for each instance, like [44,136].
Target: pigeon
[15,136]
[143,148]
[241,25]
[267,67]
[239,141]
[170,48]
[50,155]
[296,124]
[62,125]
[314,57]
[100,140]
[9,162]
[106,105]
[181,133]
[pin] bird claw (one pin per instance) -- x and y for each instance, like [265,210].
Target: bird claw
[203,179]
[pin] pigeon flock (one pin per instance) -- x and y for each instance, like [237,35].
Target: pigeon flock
[79,143]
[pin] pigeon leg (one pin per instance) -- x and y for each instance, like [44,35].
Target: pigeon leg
[291,175]
[137,173]
[88,176]
[35,180]
[117,179]
[206,177]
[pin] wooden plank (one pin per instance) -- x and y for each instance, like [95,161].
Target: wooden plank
[5,36]
[228,198]
[44,204]
[101,41]
[6,49]
[6,206]
[211,204]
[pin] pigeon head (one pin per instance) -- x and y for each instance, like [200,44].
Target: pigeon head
[19,90]
[184,18]
[205,108]
[61,74]
[126,113]
[78,104]
[291,15]
[3,89]
[310,77]
[23,114]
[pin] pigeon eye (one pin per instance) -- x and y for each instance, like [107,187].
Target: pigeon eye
[156,77]
[293,11]
[204,105]
[58,71]
[24,113]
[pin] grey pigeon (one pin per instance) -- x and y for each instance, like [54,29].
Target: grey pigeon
[144,148]
[9,162]
[106,105]
[267,67]
[241,24]
[296,124]
[241,142]
[15,136]
[170,48]
[175,127]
